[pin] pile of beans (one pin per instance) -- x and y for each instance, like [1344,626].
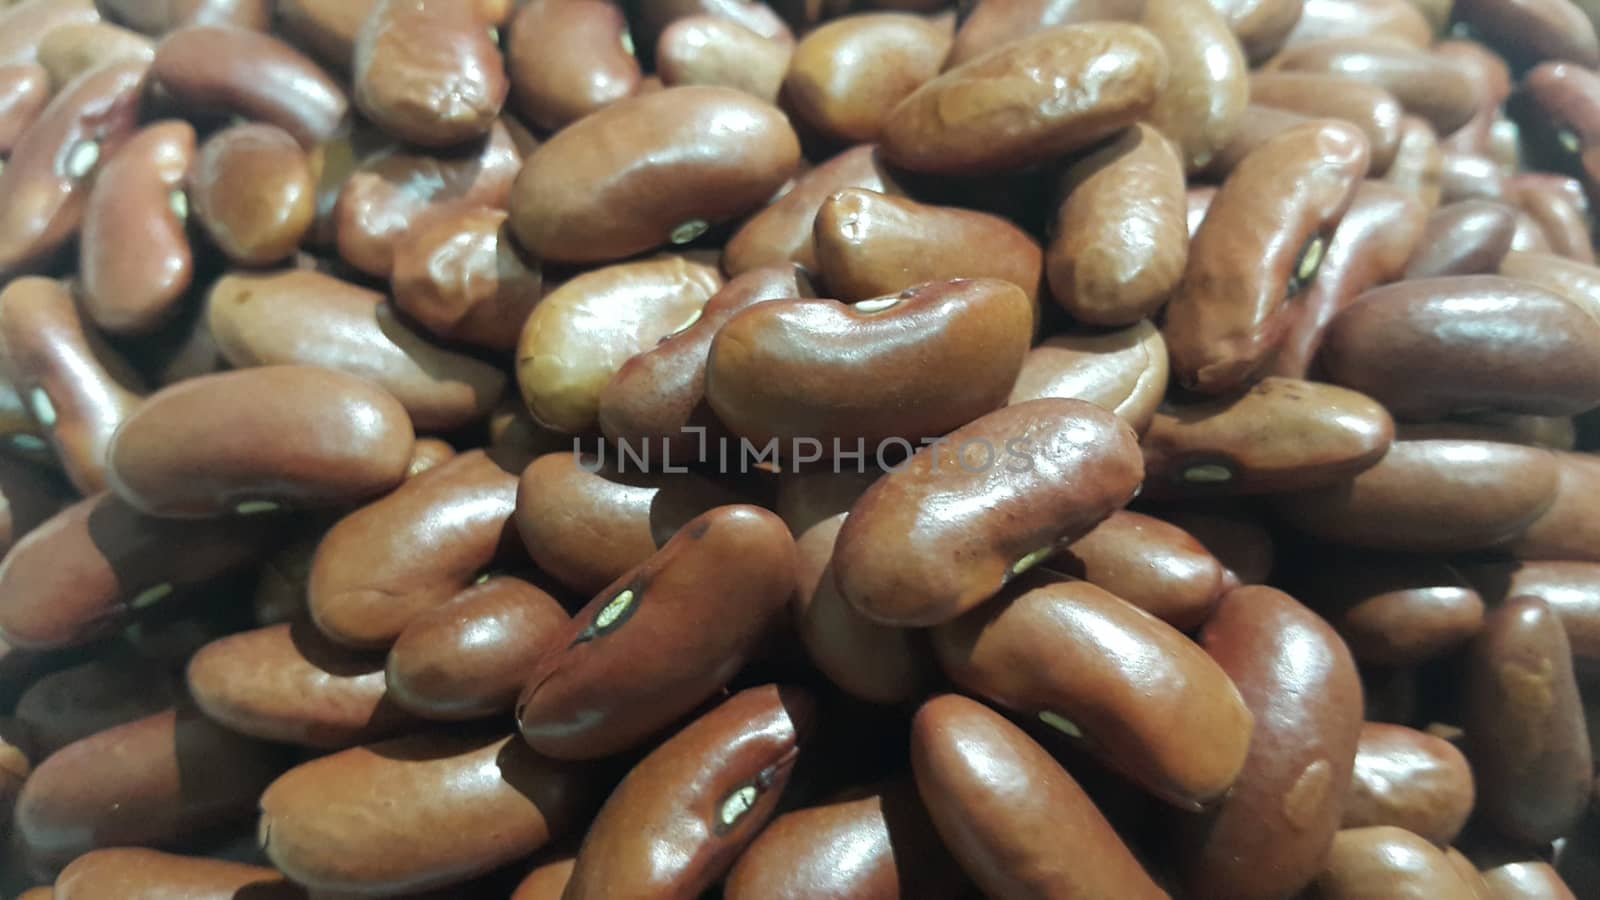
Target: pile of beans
[836,449]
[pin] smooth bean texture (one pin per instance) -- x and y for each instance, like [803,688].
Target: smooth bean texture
[1409,779]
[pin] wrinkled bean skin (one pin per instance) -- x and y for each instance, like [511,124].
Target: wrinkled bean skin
[1208,86]
[1323,19]
[1524,724]
[1005,808]
[252,191]
[783,231]
[1409,779]
[659,394]
[469,657]
[1151,564]
[568,58]
[302,317]
[1471,237]
[651,170]
[840,374]
[458,273]
[847,76]
[663,638]
[994,23]
[899,854]
[473,804]
[234,70]
[1269,836]
[134,257]
[1568,529]
[76,702]
[715,51]
[1124,371]
[1527,881]
[587,522]
[1371,109]
[893,557]
[428,72]
[152,781]
[258,440]
[1390,863]
[1259,246]
[1529,350]
[1393,610]
[1040,650]
[24,92]
[1529,31]
[1435,88]
[137,874]
[47,178]
[68,51]
[1121,232]
[1046,95]
[387,563]
[98,561]
[1570,589]
[687,810]
[77,389]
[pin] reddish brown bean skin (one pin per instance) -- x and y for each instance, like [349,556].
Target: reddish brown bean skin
[411,551]
[653,18]
[783,232]
[847,75]
[1568,530]
[96,562]
[663,638]
[469,657]
[1527,881]
[162,17]
[252,191]
[25,24]
[1562,219]
[1409,779]
[428,72]
[1004,807]
[568,58]
[1524,723]
[669,829]
[995,23]
[547,882]
[1124,371]
[1153,565]
[327,28]
[76,702]
[457,272]
[1530,31]
[417,812]
[71,50]
[47,178]
[1368,107]
[712,50]
[1262,26]
[1392,863]
[1393,610]
[28,496]
[152,781]
[627,178]
[137,874]
[1322,19]
[1248,259]
[1269,836]
[1570,589]
[989,115]
[1531,351]
[1421,167]
[893,557]
[1466,238]
[24,92]
[1208,86]
[1566,100]
[1435,88]
[236,70]
[894,852]
[1041,649]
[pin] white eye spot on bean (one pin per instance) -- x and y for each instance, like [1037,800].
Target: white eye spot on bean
[613,610]
[1031,560]
[255,507]
[688,231]
[876,306]
[688,323]
[627,42]
[44,412]
[737,805]
[152,595]
[179,202]
[1311,260]
[1060,724]
[1210,473]
[29,442]
[82,159]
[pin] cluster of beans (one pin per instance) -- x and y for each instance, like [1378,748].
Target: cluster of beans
[837,449]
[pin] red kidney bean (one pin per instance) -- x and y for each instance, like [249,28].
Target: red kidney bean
[458,273]
[1323,19]
[1409,779]
[76,702]
[1529,31]
[1567,530]
[1435,88]
[782,232]
[28,496]
[1208,85]
[1257,125]
[1466,238]
[1368,107]
[1527,881]
[996,23]
[568,58]
[1561,212]
[1153,565]
[848,75]
[651,19]
[25,24]
[1422,168]
[137,874]
[253,193]
[1393,610]
[161,17]
[1388,862]
[1570,589]
[715,51]
[68,51]
[1124,371]
[428,71]
[24,92]
[547,882]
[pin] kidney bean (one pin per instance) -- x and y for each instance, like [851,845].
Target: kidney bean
[68,51]
[280,588]
[1390,862]
[1530,235]
[1527,881]
[1435,88]
[1530,31]
[153,781]
[783,231]
[428,71]
[1558,103]
[137,874]
[1261,243]
[24,25]
[416,812]
[1156,566]
[1270,835]
[73,703]
[807,496]
[1393,610]
[848,75]
[1070,465]
[162,17]
[234,70]
[28,497]
[707,155]
[1470,237]
[1493,80]
[996,23]
[678,821]
[714,51]
[1421,168]
[385,564]
[1566,530]
[458,273]
[326,28]
[895,852]
[1208,87]
[1570,589]
[684,621]
[1564,222]
[24,91]
[652,19]
[547,882]
[302,317]
[1003,807]
[1124,371]
[873,245]
[1467,176]
[1257,125]
[1323,19]
[252,192]
[1368,107]
[568,58]
[469,657]
[1409,779]
[1524,723]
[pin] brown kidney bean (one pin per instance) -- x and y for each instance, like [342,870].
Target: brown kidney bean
[1527,881]
[252,191]
[1466,238]
[1567,530]
[1570,589]
[134,260]
[1561,104]
[568,58]
[280,589]
[1368,107]
[138,874]
[303,317]
[906,367]
[68,51]
[458,273]
[327,28]
[652,19]
[166,15]
[678,821]
[872,245]
[153,781]
[28,496]
[1011,114]
[684,622]
[1158,567]
[1124,371]
[583,332]
[895,852]
[996,23]
[715,51]
[651,170]
[807,497]
[1121,234]
[1323,19]
[1269,836]
[1042,649]
[1069,465]
[1409,779]
[1389,862]
[76,702]
[1257,125]
[385,564]
[1530,31]
[428,71]
[1530,235]
[24,25]
[1493,79]
[1208,87]
[1562,218]
[547,882]
[1528,351]
[469,657]
[1466,176]
[1261,243]
[1420,167]
[46,181]
[1433,87]
[416,812]
[1003,807]
[428,453]
[848,75]
[1393,610]
[235,70]
[783,232]
[24,92]
[1524,723]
